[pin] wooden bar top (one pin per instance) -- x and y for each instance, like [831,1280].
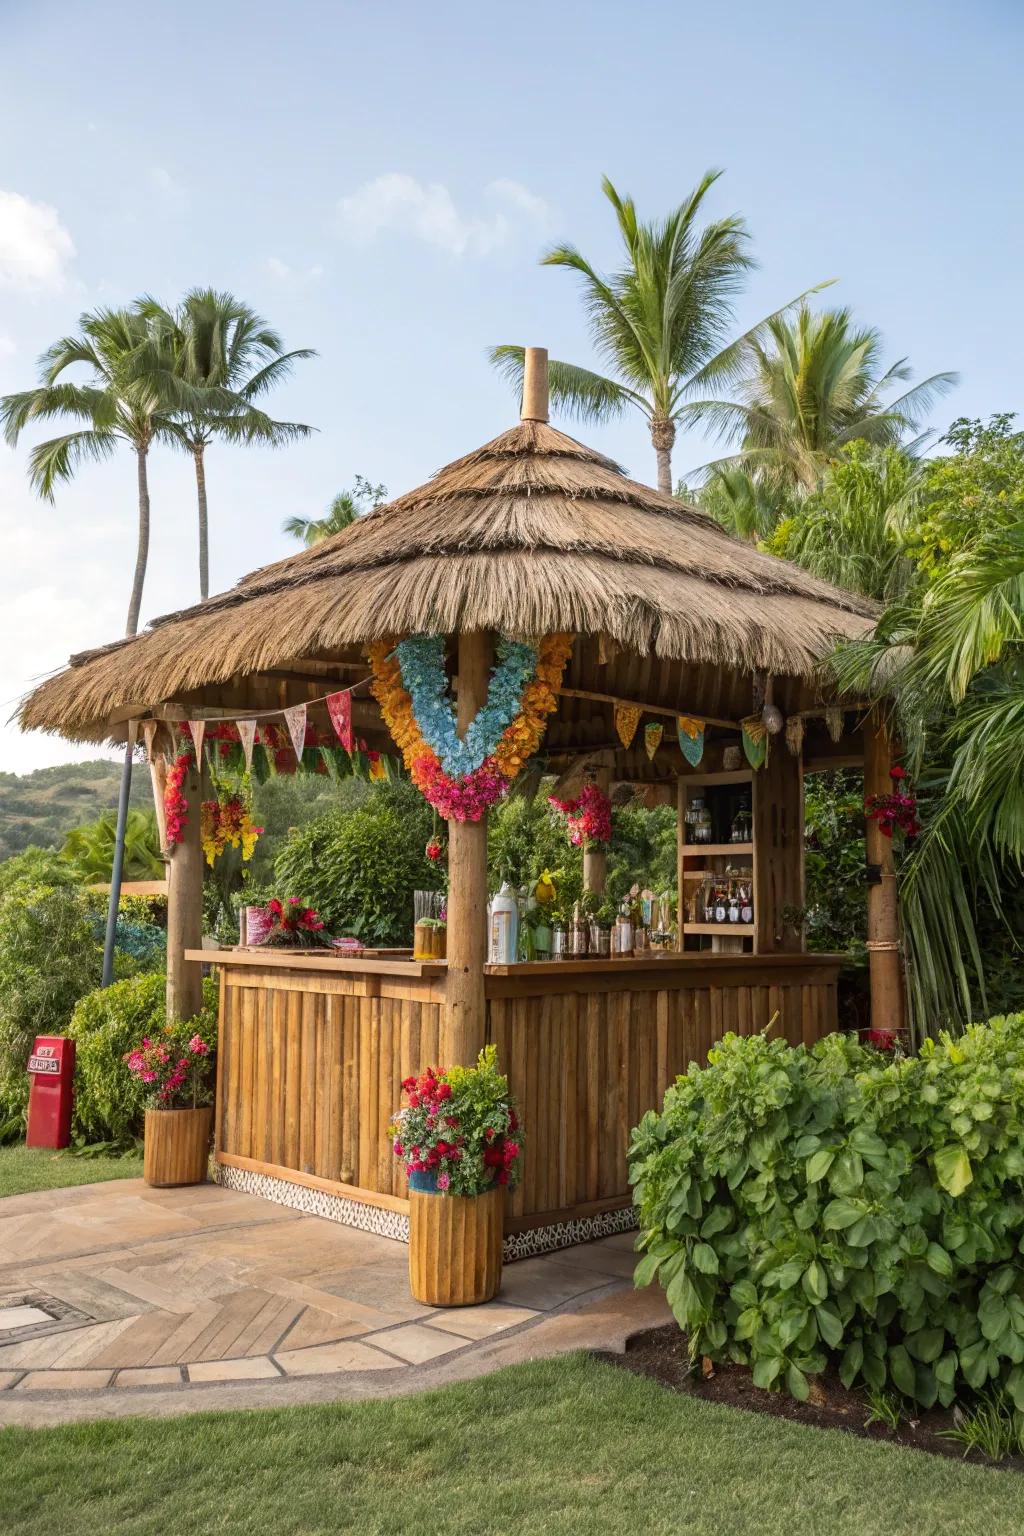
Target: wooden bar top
[317,960]
[665,960]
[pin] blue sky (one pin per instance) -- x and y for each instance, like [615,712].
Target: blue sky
[378,180]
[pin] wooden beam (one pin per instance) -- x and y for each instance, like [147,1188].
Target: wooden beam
[778,805]
[885,961]
[464,1018]
[185,908]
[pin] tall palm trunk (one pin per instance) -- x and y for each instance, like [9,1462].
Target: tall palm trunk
[198,451]
[663,436]
[142,553]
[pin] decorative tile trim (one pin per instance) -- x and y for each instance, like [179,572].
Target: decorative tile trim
[395,1225]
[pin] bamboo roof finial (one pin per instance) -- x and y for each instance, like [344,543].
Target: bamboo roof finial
[535,384]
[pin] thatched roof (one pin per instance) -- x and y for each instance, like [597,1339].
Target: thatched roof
[531,533]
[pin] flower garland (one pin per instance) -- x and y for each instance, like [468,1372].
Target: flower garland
[175,803]
[588,819]
[225,822]
[421,659]
[467,796]
[895,811]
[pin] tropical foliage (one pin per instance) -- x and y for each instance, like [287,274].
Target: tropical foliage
[90,849]
[222,358]
[346,508]
[659,323]
[807,1207]
[804,386]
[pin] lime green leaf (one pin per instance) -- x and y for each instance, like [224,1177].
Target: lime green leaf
[953,1169]
[705,1259]
[815,1282]
[818,1165]
[839,1214]
[796,1381]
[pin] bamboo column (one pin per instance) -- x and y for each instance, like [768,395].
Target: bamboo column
[778,831]
[885,964]
[185,909]
[465,1010]
[595,855]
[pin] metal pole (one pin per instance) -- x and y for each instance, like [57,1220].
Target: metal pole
[117,866]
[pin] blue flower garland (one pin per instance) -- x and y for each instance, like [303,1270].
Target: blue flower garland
[421,658]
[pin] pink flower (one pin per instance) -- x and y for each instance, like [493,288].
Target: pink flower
[198,1046]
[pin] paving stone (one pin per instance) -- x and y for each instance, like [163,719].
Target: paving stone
[326,1359]
[22,1317]
[8,1378]
[256,1368]
[415,1343]
[480,1322]
[546,1283]
[63,1381]
[148,1376]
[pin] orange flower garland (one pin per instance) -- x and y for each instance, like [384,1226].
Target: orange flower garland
[466,798]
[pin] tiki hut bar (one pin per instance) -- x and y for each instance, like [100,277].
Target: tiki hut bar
[615,617]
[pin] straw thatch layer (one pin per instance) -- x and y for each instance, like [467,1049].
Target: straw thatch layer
[532,533]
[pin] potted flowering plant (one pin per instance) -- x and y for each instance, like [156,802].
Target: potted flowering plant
[458,1137]
[176,1068]
[290,925]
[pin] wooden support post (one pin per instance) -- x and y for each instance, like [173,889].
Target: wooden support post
[465,1009]
[885,963]
[185,909]
[778,806]
[595,855]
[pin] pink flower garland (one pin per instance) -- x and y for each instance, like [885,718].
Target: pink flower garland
[462,799]
[588,819]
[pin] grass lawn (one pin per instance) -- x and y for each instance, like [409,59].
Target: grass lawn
[23,1169]
[569,1445]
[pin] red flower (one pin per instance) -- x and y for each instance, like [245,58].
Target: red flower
[896,772]
[444,1091]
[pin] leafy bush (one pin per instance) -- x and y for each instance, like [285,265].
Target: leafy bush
[109,1102]
[359,868]
[48,958]
[801,1206]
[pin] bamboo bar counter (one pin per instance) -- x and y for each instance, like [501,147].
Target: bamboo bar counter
[313,1050]
[652,655]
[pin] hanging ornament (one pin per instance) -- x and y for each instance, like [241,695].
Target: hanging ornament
[627,718]
[653,732]
[197,730]
[339,707]
[834,721]
[755,741]
[247,736]
[691,738]
[771,717]
[295,719]
[795,734]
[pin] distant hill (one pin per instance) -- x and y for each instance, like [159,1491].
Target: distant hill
[42,807]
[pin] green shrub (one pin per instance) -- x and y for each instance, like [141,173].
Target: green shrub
[108,1022]
[359,868]
[49,957]
[801,1206]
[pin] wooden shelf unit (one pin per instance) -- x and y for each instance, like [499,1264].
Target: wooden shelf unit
[699,859]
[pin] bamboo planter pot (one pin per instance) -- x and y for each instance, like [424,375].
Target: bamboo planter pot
[455,1247]
[177,1146]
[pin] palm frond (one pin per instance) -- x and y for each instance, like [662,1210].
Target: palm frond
[578,392]
[57,460]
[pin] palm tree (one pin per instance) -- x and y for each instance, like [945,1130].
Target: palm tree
[346,508]
[660,322]
[805,386]
[228,357]
[126,399]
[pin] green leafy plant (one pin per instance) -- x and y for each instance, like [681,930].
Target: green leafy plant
[108,1023]
[806,1206]
[992,1426]
[883,1408]
[359,868]
[459,1127]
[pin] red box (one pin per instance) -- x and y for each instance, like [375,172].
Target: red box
[51,1067]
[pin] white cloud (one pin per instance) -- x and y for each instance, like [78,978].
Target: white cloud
[171,192]
[35,248]
[427,211]
[7,346]
[283,273]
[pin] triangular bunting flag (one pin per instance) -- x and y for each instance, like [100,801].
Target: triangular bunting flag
[691,738]
[834,721]
[755,741]
[197,730]
[627,718]
[653,732]
[247,736]
[295,719]
[339,707]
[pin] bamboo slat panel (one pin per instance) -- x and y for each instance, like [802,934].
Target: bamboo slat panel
[308,1079]
[586,1066]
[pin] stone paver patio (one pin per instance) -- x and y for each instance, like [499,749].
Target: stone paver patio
[128,1294]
